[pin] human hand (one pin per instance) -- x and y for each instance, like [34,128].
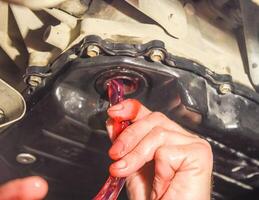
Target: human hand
[31,188]
[160,159]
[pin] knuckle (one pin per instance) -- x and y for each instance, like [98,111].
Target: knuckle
[200,157]
[163,170]
[205,145]
[165,177]
[159,116]
[128,136]
[161,154]
[137,153]
[158,129]
[204,150]
[160,133]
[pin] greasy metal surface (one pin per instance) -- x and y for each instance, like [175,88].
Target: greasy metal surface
[128,25]
[65,126]
[214,46]
[186,47]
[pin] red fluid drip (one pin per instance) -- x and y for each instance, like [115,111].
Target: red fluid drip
[113,185]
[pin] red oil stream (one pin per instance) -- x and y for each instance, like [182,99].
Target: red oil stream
[112,187]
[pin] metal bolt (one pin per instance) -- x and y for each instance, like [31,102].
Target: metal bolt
[156,55]
[34,80]
[225,88]
[25,158]
[208,71]
[72,56]
[93,51]
[2,116]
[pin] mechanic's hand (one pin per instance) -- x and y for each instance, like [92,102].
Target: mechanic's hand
[160,158]
[31,188]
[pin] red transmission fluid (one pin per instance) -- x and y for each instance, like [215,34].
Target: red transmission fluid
[113,185]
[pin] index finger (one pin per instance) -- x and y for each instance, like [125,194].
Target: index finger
[128,110]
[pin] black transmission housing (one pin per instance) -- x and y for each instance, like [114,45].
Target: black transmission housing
[64,127]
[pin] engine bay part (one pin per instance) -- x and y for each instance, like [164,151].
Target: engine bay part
[200,39]
[196,73]
[12,105]
[64,128]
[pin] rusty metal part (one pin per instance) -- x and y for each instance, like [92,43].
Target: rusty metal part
[156,55]
[34,81]
[216,42]
[124,23]
[93,51]
[225,88]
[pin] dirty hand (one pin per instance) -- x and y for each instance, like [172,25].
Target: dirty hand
[160,159]
[31,188]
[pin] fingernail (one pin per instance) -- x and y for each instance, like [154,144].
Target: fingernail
[153,195]
[109,128]
[117,107]
[117,148]
[109,125]
[109,121]
[120,164]
[37,184]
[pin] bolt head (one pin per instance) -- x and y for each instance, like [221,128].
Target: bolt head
[225,88]
[34,80]
[209,71]
[93,51]
[72,56]
[157,55]
[25,158]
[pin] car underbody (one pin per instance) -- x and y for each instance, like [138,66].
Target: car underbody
[194,60]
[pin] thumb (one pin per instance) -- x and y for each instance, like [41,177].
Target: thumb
[31,188]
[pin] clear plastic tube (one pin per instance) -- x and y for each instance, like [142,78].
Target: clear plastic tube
[112,187]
